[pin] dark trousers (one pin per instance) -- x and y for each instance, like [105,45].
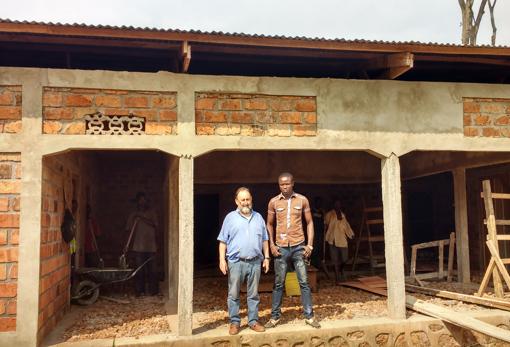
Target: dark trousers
[339,257]
[146,276]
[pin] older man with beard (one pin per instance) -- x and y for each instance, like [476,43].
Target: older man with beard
[243,246]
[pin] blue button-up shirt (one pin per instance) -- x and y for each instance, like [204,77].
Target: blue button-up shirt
[243,236]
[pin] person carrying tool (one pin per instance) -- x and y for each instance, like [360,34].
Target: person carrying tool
[92,255]
[142,224]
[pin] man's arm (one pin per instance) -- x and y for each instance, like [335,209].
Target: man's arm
[309,229]
[271,216]
[265,264]
[223,262]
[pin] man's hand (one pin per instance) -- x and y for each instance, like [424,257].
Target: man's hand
[223,266]
[265,265]
[307,251]
[275,251]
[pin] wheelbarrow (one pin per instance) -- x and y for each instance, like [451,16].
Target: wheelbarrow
[86,292]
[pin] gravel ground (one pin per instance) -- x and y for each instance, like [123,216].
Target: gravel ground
[147,316]
[106,319]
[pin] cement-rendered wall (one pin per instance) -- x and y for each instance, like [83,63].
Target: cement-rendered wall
[381,117]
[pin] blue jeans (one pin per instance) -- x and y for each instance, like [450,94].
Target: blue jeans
[292,254]
[238,272]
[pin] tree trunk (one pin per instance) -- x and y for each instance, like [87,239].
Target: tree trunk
[470,25]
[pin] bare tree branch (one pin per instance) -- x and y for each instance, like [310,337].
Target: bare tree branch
[493,22]
[476,24]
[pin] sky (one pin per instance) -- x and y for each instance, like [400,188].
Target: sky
[388,20]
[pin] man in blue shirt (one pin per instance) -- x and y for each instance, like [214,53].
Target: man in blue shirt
[243,246]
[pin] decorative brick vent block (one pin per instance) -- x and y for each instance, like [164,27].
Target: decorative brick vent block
[10,109]
[486,117]
[255,115]
[99,124]
[10,184]
[64,109]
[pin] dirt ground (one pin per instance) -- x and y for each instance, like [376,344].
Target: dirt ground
[107,319]
[147,316]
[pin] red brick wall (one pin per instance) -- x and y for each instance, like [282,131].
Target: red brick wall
[255,115]
[54,281]
[10,109]
[10,182]
[486,117]
[64,108]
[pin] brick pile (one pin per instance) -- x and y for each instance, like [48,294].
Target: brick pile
[255,115]
[64,109]
[486,117]
[10,183]
[10,109]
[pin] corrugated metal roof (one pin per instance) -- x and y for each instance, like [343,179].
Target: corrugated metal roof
[240,35]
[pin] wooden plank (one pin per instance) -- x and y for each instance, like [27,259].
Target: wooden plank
[375,221]
[431,244]
[429,275]
[491,230]
[503,237]
[441,260]
[451,255]
[488,302]
[374,281]
[359,285]
[413,261]
[486,277]
[394,72]
[373,209]
[360,237]
[185,56]
[499,222]
[499,263]
[377,238]
[457,318]
[498,195]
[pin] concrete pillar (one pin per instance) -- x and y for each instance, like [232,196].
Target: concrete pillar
[393,247]
[173,232]
[461,225]
[30,220]
[185,292]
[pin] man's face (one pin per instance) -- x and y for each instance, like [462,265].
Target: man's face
[142,202]
[286,185]
[243,202]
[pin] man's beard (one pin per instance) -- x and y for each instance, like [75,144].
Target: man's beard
[246,209]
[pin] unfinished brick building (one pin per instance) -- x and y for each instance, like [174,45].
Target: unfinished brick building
[198,114]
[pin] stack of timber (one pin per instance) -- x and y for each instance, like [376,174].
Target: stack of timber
[377,285]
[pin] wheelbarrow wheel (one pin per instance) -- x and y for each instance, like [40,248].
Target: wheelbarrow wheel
[87,292]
